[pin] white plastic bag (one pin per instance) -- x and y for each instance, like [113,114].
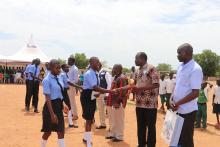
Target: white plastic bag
[172,128]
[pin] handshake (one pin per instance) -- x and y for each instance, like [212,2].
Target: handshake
[129,87]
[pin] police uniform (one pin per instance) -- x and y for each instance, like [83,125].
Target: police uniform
[53,86]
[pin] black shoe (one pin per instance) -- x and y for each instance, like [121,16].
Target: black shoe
[75,126]
[116,140]
[70,126]
[85,141]
[109,137]
[101,127]
[27,109]
[36,111]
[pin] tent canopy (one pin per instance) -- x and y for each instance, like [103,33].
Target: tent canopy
[27,54]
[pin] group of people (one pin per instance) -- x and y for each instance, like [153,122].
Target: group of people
[110,93]
[11,75]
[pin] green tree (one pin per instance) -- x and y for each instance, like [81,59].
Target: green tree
[209,61]
[125,70]
[164,67]
[61,61]
[81,60]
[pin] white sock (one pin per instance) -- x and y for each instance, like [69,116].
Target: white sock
[61,143]
[43,143]
[70,118]
[88,138]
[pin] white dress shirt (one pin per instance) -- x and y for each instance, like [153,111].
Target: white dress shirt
[170,85]
[73,74]
[162,89]
[189,77]
[217,95]
[108,79]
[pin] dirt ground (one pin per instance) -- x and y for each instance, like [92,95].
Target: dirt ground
[21,129]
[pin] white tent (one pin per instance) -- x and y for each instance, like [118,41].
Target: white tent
[24,56]
[29,52]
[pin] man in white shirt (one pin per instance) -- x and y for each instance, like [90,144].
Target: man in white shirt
[162,91]
[73,78]
[105,80]
[188,82]
[170,85]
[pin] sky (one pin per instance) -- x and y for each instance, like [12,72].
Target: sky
[113,30]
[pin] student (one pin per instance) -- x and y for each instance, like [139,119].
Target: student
[216,102]
[67,84]
[170,85]
[162,91]
[53,120]
[118,103]
[88,101]
[27,78]
[34,84]
[65,70]
[73,77]
[105,82]
[202,108]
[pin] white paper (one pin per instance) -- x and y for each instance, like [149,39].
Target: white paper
[93,95]
[172,128]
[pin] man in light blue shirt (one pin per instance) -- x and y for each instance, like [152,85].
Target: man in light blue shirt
[27,77]
[188,83]
[34,82]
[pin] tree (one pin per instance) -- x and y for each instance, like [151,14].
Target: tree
[164,67]
[61,61]
[81,60]
[209,61]
[125,70]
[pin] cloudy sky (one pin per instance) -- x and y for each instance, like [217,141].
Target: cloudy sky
[114,30]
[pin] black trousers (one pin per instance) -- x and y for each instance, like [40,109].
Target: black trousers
[30,87]
[35,94]
[186,137]
[26,84]
[168,95]
[66,98]
[146,120]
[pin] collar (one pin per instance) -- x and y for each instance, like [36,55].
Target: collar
[145,66]
[187,64]
[52,76]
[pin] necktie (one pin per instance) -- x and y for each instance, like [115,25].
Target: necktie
[61,88]
[97,79]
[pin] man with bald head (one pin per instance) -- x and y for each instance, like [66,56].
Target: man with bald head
[188,82]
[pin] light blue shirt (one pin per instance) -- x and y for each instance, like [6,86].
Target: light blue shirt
[34,69]
[189,77]
[51,87]
[90,79]
[73,74]
[65,79]
[27,71]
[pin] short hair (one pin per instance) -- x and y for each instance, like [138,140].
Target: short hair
[118,66]
[53,62]
[186,47]
[63,65]
[72,59]
[142,55]
[92,59]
